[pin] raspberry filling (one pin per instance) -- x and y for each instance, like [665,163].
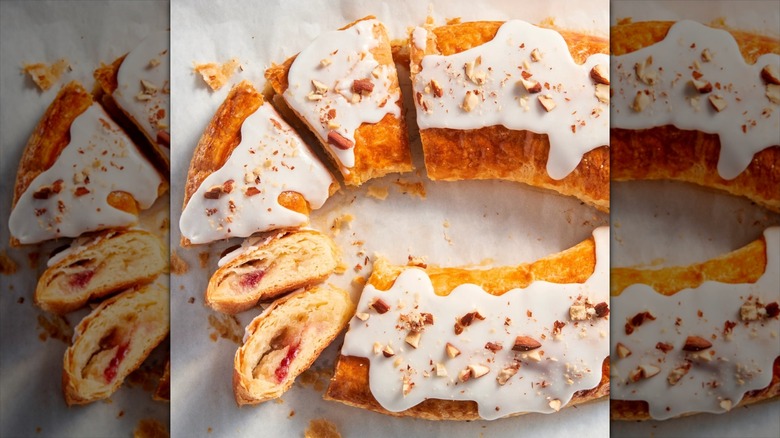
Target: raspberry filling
[284,367]
[251,279]
[80,279]
[113,365]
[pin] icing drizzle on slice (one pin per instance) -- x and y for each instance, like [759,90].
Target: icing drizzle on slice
[322,87]
[143,90]
[697,79]
[713,379]
[569,358]
[484,86]
[241,198]
[71,197]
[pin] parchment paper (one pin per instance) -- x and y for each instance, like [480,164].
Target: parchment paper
[85,33]
[456,223]
[657,223]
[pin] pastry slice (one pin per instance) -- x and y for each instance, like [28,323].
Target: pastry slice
[697,338]
[136,89]
[286,339]
[262,269]
[344,87]
[250,173]
[464,344]
[113,341]
[79,173]
[697,104]
[516,102]
[98,266]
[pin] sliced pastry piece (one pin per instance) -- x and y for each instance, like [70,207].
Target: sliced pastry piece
[163,391]
[344,87]
[697,104]
[79,172]
[250,173]
[514,101]
[697,338]
[467,344]
[113,341]
[286,339]
[93,267]
[136,89]
[262,269]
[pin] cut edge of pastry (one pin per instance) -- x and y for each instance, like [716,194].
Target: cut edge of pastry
[284,263]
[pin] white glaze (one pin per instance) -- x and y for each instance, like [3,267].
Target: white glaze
[676,102]
[584,346]
[100,149]
[753,345]
[504,101]
[151,115]
[350,57]
[248,245]
[272,151]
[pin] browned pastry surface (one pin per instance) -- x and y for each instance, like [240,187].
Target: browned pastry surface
[350,383]
[667,152]
[744,265]
[497,152]
[380,148]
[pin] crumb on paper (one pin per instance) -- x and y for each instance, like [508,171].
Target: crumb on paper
[55,327]
[7,265]
[340,268]
[44,75]
[625,20]
[150,428]
[359,280]
[178,265]
[32,259]
[279,401]
[341,222]
[191,300]
[215,75]
[203,258]
[321,428]
[358,267]
[380,193]
[316,378]
[454,20]
[292,414]
[416,261]
[227,327]
[547,22]
[411,188]
[209,430]
[446,223]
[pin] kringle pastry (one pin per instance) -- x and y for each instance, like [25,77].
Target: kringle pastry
[93,267]
[79,172]
[697,104]
[137,86]
[250,173]
[286,339]
[262,269]
[460,344]
[514,101]
[344,86]
[698,338]
[112,341]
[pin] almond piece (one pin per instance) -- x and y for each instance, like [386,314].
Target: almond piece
[339,141]
[81,191]
[505,374]
[470,101]
[452,351]
[407,386]
[227,186]
[388,351]
[678,373]
[641,101]
[377,348]
[649,371]
[769,75]
[362,86]
[362,316]
[602,93]
[602,310]
[547,102]
[578,312]
[772,309]
[726,404]
[706,56]
[531,85]
[252,191]
[702,87]
[478,370]
[43,192]
[773,93]
[717,102]
[525,343]
[534,356]
[748,312]
[664,346]
[635,375]
[644,74]
[622,351]
[464,375]
[555,404]
[696,343]
[380,306]
[413,338]
[214,192]
[536,55]
[441,370]
[600,74]
[319,87]
[437,90]
[494,347]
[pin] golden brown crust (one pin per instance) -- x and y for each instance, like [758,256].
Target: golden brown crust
[744,265]
[667,152]
[380,148]
[497,152]
[350,386]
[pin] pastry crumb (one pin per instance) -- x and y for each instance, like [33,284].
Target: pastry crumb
[203,258]
[150,428]
[411,188]
[359,280]
[341,222]
[32,259]
[340,268]
[178,265]
[216,75]
[321,428]
[227,327]
[416,261]
[380,193]
[55,327]
[7,265]
[44,75]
